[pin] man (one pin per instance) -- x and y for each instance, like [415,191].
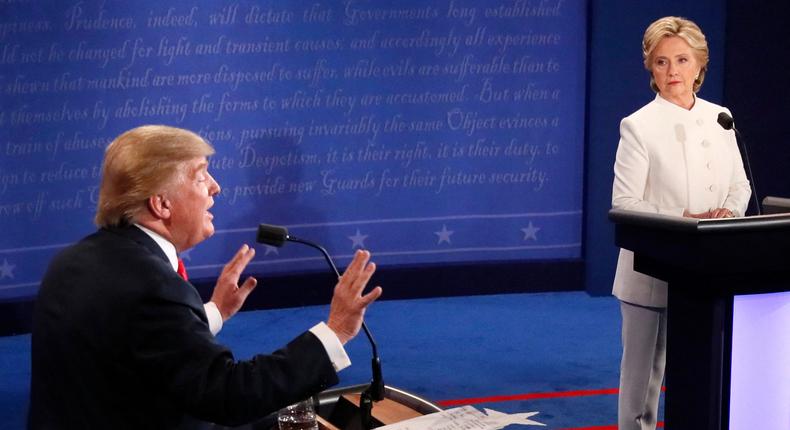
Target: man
[120,340]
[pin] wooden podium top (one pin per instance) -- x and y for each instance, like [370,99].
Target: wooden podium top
[338,409]
[386,411]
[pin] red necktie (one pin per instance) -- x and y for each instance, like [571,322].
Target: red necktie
[182,271]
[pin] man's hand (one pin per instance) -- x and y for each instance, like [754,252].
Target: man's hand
[227,295]
[347,309]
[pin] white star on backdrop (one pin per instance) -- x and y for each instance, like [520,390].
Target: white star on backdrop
[7,270]
[444,235]
[270,250]
[358,240]
[530,232]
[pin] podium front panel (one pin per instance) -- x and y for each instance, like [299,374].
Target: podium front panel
[760,374]
[722,372]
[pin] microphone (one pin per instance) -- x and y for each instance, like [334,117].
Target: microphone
[277,236]
[727,123]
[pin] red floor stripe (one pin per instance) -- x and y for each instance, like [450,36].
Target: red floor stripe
[614,427]
[528,396]
[551,395]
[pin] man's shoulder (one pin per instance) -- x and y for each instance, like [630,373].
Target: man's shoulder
[108,249]
[101,242]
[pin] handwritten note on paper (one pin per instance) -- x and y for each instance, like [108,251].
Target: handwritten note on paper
[464,418]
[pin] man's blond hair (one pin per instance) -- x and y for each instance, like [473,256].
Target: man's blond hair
[140,163]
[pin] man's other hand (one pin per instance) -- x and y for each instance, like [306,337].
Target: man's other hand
[227,295]
[347,310]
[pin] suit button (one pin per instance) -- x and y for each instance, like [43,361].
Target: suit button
[705,144]
[708,165]
[700,122]
[712,187]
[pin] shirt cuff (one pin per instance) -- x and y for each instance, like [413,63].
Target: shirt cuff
[334,349]
[214,317]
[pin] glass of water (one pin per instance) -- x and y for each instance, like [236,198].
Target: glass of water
[299,416]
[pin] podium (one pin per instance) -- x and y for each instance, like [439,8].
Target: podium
[776,205]
[338,409]
[708,264]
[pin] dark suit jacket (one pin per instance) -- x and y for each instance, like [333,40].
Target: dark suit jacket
[121,341]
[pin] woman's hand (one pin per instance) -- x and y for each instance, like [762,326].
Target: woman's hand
[713,213]
[721,213]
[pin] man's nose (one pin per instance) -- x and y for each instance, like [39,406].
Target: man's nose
[214,188]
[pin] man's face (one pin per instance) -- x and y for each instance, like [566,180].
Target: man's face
[190,198]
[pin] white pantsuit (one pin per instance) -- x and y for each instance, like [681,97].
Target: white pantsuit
[669,159]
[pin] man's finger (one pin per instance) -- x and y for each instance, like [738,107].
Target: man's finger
[239,261]
[249,284]
[371,297]
[360,259]
[237,255]
[246,288]
[364,276]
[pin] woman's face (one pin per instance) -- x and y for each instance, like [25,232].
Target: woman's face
[674,68]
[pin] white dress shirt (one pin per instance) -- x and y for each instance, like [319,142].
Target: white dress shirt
[334,348]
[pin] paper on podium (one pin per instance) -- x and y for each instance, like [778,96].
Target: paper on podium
[464,418]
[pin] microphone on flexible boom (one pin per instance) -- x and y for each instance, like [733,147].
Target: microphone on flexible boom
[726,121]
[276,236]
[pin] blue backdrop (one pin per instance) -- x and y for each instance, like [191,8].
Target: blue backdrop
[427,132]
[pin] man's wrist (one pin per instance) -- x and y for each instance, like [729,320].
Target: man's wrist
[215,318]
[332,345]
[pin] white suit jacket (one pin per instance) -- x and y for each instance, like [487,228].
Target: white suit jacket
[670,159]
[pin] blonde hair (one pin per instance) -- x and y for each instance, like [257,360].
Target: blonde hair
[140,163]
[685,29]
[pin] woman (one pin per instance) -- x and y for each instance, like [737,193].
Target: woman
[675,159]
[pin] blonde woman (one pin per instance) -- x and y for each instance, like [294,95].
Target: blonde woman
[674,159]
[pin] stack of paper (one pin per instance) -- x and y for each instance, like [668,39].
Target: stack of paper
[464,418]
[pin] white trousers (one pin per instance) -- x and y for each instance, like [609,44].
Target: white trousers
[644,337]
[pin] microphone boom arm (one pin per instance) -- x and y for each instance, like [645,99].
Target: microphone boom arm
[727,123]
[277,236]
[337,273]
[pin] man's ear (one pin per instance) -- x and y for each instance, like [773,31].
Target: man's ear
[159,206]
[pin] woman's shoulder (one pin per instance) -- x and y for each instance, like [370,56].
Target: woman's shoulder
[703,104]
[645,113]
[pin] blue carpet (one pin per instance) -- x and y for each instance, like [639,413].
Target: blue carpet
[441,349]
